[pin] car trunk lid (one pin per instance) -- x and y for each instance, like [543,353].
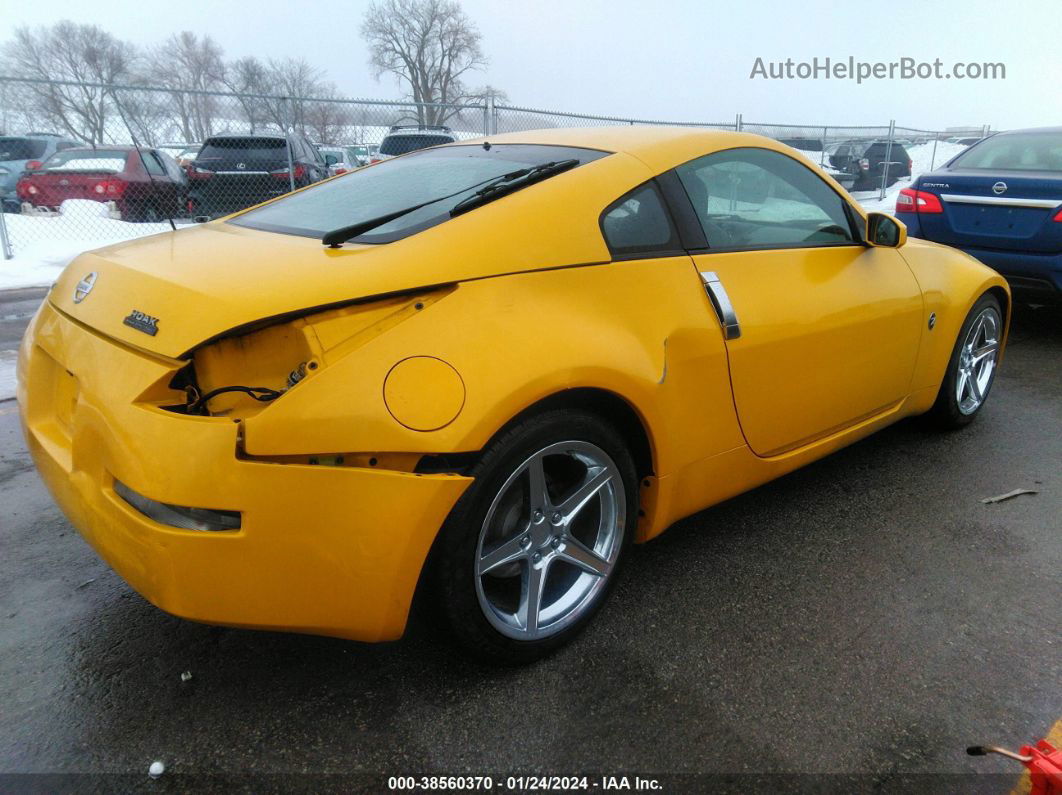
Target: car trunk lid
[1002,210]
[77,174]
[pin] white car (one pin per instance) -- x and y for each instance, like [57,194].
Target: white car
[406,138]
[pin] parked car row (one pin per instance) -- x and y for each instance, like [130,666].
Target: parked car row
[223,174]
[864,163]
[143,184]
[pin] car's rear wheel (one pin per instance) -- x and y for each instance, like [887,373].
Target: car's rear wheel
[972,367]
[530,552]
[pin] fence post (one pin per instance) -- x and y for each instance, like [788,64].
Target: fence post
[985,129]
[486,117]
[933,157]
[888,160]
[737,123]
[491,117]
[5,241]
[822,156]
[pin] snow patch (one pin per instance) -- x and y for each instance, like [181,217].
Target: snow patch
[90,164]
[7,374]
[46,244]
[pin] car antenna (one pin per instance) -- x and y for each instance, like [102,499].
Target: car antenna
[139,151]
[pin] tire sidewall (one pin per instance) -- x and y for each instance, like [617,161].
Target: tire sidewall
[454,562]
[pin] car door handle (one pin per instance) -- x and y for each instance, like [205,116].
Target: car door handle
[721,301]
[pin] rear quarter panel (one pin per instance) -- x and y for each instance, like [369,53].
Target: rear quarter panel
[642,330]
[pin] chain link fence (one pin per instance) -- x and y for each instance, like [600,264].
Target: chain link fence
[84,164]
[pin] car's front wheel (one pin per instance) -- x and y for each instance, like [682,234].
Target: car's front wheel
[972,367]
[530,552]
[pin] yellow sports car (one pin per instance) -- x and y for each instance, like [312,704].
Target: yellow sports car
[483,369]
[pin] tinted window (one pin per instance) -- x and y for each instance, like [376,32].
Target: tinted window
[21,149]
[401,144]
[1032,151]
[756,198]
[87,160]
[638,223]
[243,148]
[154,165]
[448,174]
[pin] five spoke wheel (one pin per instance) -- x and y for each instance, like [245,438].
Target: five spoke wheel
[550,540]
[977,360]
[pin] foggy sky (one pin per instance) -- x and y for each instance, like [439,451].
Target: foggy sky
[668,60]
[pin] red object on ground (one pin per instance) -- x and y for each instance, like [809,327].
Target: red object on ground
[1045,768]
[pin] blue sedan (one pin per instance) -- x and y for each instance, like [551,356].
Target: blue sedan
[1001,201]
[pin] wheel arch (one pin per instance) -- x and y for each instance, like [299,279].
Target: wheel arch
[604,403]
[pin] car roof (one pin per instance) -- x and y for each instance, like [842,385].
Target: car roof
[1048,130]
[436,133]
[104,148]
[244,135]
[658,146]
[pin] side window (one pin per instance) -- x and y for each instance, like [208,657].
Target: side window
[154,167]
[757,198]
[638,223]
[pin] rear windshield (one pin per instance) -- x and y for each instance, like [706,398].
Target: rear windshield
[86,160]
[449,174]
[401,144]
[21,149]
[244,148]
[1031,151]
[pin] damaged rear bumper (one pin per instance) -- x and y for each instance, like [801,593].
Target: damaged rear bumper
[328,550]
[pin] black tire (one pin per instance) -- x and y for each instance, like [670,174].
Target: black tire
[946,413]
[453,566]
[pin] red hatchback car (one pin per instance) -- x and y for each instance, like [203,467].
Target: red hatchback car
[150,188]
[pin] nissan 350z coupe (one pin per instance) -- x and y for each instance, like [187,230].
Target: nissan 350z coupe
[483,369]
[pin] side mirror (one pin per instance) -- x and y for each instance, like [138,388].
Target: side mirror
[885,231]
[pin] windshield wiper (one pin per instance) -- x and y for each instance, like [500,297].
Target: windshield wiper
[337,237]
[492,189]
[509,183]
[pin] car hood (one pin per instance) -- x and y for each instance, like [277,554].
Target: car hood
[205,281]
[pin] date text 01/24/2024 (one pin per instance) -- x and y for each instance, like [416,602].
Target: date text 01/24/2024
[523,783]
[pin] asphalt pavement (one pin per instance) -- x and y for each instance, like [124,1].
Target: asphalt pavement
[850,627]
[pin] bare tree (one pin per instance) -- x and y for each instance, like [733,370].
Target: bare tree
[246,77]
[429,45]
[189,64]
[69,51]
[296,82]
[328,121]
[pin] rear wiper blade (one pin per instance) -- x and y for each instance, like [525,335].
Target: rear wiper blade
[337,237]
[511,182]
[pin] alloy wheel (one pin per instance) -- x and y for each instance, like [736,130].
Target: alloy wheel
[977,361]
[550,540]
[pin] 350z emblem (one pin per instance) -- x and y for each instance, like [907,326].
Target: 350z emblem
[142,322]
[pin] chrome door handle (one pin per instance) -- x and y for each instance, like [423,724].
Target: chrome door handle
[721,301]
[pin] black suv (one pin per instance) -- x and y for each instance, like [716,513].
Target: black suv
[865,161]
[234,171]
[405,138]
